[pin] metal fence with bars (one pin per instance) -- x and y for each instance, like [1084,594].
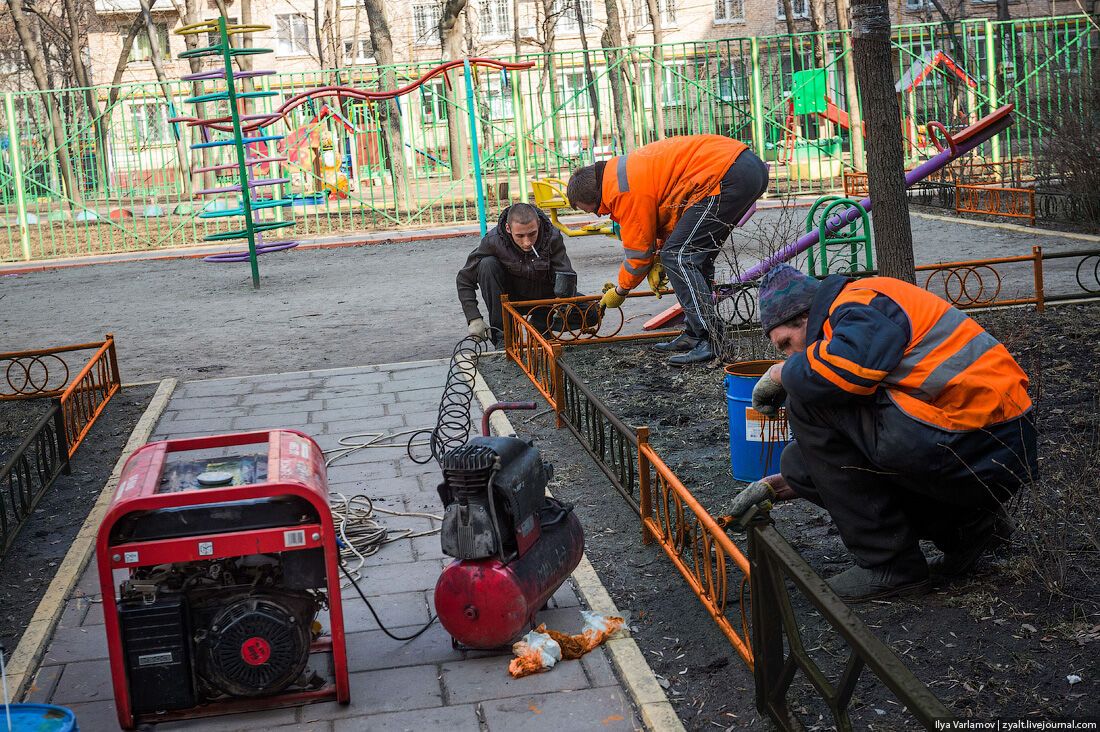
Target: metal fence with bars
[130,188]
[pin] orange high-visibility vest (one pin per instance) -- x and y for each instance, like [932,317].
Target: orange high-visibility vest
[953,375]
[647,192]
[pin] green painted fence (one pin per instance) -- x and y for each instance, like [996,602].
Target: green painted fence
[131,190]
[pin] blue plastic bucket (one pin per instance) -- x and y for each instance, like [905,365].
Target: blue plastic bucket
[40,718]
[755,440]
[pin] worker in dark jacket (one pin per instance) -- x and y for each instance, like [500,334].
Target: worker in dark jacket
[521,257]
[910,422]
[676,202]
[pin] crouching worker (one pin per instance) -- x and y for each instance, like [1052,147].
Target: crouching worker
[523,257]
[676,200]
[910,422]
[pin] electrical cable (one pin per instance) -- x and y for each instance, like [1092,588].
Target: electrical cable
[378,620]
[361,534]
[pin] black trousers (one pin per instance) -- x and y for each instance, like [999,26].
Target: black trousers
[889,481]
[689,253]
[493,280]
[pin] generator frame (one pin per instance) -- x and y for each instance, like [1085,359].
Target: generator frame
[296,467]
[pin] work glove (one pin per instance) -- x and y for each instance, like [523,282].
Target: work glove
[657,278]
[611,298]
[768,396]
[756,497]
[478,329]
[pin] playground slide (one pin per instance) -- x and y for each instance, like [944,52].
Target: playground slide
[838,116]
[957,146]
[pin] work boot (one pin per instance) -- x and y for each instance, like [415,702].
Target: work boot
[896,579]
[985,535]
[701,353]
[682,342]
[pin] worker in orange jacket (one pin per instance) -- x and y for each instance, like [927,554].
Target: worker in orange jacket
[676,199]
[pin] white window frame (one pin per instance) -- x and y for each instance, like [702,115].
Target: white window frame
[426,17]
[140,115]
[916,6]
[567,15]
[738,84]
[356,51]
[499,96]
[496,19]
[142,50]
[433,102]
[667,9]
[798,14]
[579,102]
[732,11]
[291,43]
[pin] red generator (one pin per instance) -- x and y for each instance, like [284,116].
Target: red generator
[217,560]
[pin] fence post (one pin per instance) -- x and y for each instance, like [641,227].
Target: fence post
[991,84]
[61,439]
[112,355]
[758,140]
[506,323]
[558,380]
[1040,294]
[767,628]
[520,117]
[479,185]
[17,175]
[644,487]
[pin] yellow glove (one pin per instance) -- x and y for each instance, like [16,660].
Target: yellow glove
[611,298]
[657,278]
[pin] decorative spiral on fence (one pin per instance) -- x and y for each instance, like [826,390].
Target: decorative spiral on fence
[32,375]
[737,305]
[966,286]
[1092,288]
[576,321]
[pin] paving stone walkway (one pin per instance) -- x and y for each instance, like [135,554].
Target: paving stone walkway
[417,685]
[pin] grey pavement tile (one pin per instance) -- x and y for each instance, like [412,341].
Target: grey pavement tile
[399,610]
[429,480]
[201,402]
[97,716]
[366,455]
[418,394]
[94,616]
[282,383]
[366,424]
[89,580]
[280,397]
[397,552]
[599,668]
[408,467]
[358,394]
[202,412]
[75,610]
[327,410]
[76,644]
[479,679]
[217,387]
[296,420]
[42,685]
[84,681]
[386,492]
[426,384]
[425,419]
[453,719]
[357,379]
[387,690]
[306,405]
[565,620]
[373,649]
[387,579]
[423,503]
[322,725]
[418,407]
[604,709]
[428,547]
[565,596]
[179,427]
[345,473]
[353,399]
[214,429]
[246,722]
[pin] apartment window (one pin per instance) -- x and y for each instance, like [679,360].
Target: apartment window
[292,36]
[914,5]
[801,9]
[426,24]
[142,50]
[500,97]
[729,11]
[358,52]
[667,9]
[496,19]
[213,39]
[573,88]
[673,76]
[733,84]
[149,123]
[566,11]
[433,103]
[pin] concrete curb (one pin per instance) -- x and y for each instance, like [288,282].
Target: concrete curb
[32,645]
[1009,227]
[641,683]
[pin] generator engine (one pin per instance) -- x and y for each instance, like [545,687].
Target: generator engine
[218,566]
[513,545]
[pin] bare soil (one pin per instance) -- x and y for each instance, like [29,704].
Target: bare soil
[999,644]
[31,563]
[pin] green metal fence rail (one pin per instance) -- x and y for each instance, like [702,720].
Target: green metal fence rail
[131,188]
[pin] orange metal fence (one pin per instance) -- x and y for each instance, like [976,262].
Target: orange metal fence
[702,551]
[1016,203]
[978,283]
[88,393]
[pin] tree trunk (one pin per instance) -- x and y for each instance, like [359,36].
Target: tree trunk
[658,67]
[115,89]
[33,51]
[389,117]
[620,89]
[515,29]
[788,18]
[450,38]
[590,81]
[192,12]
[851,88]
[550,70]
[821,42]
[162,81]
[885,155]
[77,37]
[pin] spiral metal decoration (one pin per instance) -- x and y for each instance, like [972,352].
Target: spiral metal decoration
[967,286]
[27,376]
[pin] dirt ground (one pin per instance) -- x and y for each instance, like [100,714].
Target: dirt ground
[29,566]
[1001,643]
[339,307]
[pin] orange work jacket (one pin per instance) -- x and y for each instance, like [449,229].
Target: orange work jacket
[648,190]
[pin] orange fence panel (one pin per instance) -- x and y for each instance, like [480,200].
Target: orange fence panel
[1016,203]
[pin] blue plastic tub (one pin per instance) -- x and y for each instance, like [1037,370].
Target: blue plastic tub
[755,440]
[40,718]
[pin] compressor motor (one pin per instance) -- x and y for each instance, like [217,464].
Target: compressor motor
[513,545]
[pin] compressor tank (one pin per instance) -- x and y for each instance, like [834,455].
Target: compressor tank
[485,603]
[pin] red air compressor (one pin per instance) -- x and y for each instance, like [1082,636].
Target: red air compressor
[214,568]
[514,545]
